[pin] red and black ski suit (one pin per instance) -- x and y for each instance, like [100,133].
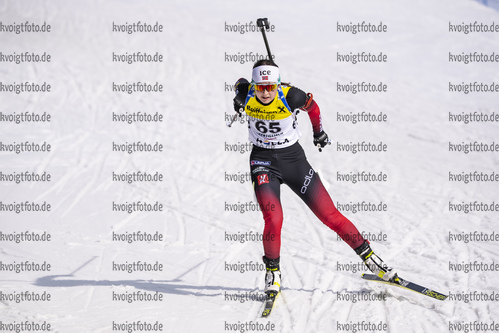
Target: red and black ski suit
[273,166]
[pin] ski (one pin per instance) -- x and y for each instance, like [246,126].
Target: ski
[408,285]
[269,303]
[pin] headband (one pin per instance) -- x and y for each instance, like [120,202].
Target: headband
[266,74]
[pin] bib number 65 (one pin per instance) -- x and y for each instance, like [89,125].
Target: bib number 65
[273,127]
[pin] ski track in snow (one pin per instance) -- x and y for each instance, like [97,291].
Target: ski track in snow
[196,285]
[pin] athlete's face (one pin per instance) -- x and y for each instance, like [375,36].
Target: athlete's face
[266,93]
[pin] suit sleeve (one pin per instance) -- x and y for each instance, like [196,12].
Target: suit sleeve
[297,99]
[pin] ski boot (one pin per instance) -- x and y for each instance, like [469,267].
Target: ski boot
[272,276]
[375,264]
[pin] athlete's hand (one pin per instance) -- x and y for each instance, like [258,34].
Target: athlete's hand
[238,105]
[321,140]
[240,98]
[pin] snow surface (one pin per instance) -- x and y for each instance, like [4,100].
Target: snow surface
[195,283]
[491,3]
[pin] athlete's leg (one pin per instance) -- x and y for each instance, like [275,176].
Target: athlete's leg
[267,191]
[266,178]
[305,182]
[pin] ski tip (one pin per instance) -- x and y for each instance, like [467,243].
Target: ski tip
[435,295]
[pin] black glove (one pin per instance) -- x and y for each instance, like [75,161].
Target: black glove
[321,140]
[240,94]
[238,104]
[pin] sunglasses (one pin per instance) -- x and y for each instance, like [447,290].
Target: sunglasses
[263,87]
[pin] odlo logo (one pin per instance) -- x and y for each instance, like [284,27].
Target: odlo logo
[263,179]
[308,179]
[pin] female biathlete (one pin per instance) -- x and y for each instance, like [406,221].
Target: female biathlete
[277,158]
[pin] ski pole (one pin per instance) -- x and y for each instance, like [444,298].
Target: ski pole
[263,24]
[232,121]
